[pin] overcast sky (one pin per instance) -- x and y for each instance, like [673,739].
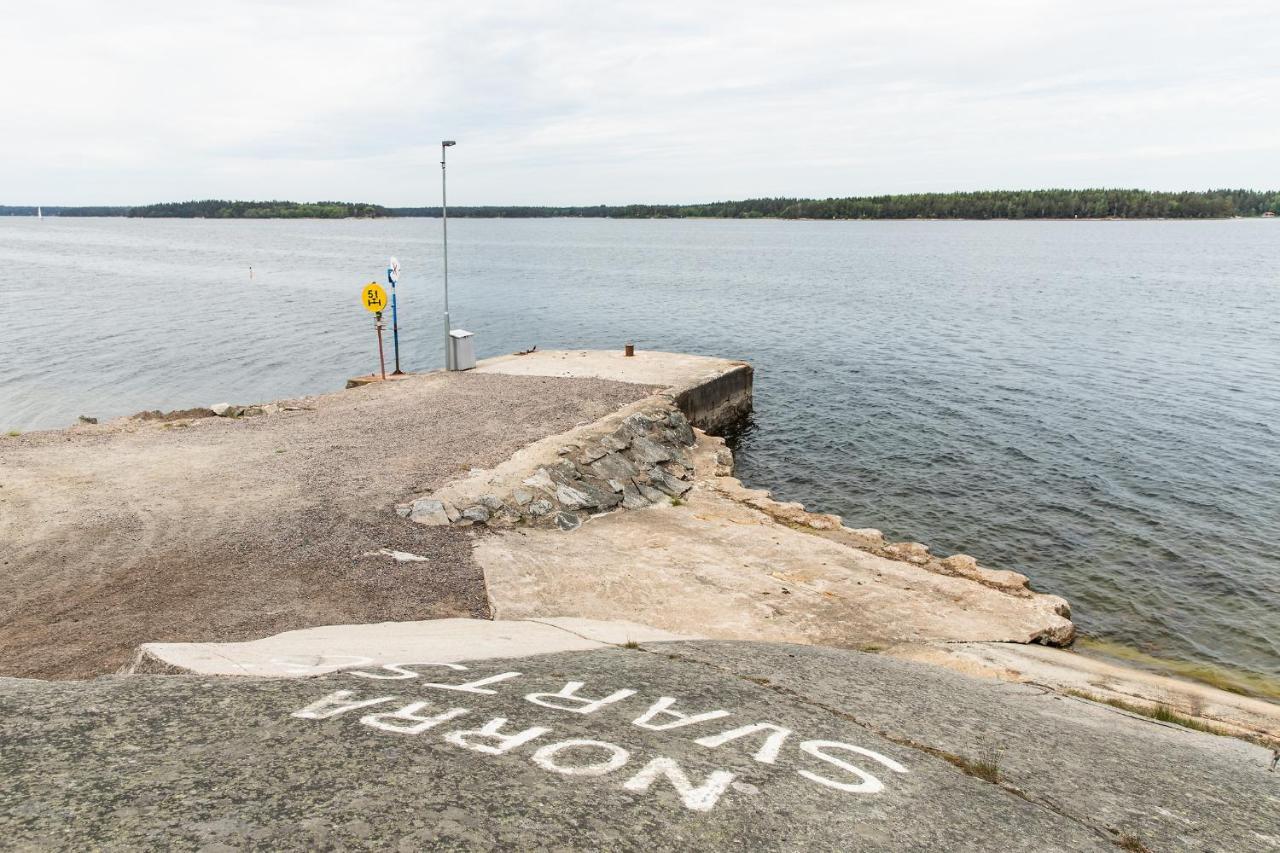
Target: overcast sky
[600,102]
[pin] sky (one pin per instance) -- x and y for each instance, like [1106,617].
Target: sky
[599,102]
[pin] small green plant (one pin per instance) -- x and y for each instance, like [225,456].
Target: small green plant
[14,433]
[631,644]
[677,502]
[279,450]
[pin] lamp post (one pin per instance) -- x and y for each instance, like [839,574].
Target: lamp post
[444,214]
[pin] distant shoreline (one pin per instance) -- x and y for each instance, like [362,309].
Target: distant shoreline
[690,218]
[1003,205]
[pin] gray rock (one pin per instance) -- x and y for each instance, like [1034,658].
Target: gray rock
[403,510]
[637,424]
[645,451]
[572,498]
[631,497]
[568,521]
[649,493]
[619,439]
[591,453]
[253,411]
[477,513]
[85,419]
[617,486]
[540,507]
[600,492]
[222,410]
[428,511]
[522,497]
[681,428]
[493,503]
[673,486]
[613,466]
[615,442]
[541,480]
[564,472]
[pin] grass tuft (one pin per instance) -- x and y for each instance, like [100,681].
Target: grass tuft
[631,644]
[1158,711]
[14,433]
[677,502]
[1132,843]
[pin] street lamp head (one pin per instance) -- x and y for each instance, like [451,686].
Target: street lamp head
[447,142]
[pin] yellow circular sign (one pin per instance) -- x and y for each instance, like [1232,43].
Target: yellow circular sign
[373,297]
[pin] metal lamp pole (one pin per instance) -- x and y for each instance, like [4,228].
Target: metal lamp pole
[444,214]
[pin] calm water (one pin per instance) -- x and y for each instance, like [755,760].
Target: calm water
[1096,404]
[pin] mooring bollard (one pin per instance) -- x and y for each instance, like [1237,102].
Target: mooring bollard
[631,349]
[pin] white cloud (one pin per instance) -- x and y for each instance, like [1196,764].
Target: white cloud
[588,102]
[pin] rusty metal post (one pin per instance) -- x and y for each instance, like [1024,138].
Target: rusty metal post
[631,349]
[382,361]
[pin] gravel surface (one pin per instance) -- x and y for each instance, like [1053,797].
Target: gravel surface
[216,529]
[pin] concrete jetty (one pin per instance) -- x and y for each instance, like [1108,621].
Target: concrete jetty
[530,606]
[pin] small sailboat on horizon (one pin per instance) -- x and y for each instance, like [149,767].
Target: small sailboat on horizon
[39,212]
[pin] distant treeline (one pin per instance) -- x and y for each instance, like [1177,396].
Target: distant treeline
[1000,204]
[30,210]
[219,209]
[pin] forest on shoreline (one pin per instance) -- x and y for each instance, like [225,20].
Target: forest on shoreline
[996,204]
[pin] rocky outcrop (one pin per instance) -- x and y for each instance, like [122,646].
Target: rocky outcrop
[641,460]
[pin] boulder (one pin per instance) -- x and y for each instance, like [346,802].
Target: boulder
[591,453]
[428,511]
[222,410]
[572,498]
[493,503]
[541,480]
[522,497]
[602,495]
[568,521]
[614,442]
[540,507]
[646,451]
[631,497]
[648,492]
[613,466]
[669,484]
[477,514]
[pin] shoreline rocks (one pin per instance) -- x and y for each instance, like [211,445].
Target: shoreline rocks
[642,461]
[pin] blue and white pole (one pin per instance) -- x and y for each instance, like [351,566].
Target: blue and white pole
[393,275]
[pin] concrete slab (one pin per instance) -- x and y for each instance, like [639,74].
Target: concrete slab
[726,571]
[665,369]
[330,648]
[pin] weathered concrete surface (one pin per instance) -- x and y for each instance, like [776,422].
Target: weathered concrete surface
[316,651]
[717,566]
[874,757]
[1069,671]
[663,369]
[713,392]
